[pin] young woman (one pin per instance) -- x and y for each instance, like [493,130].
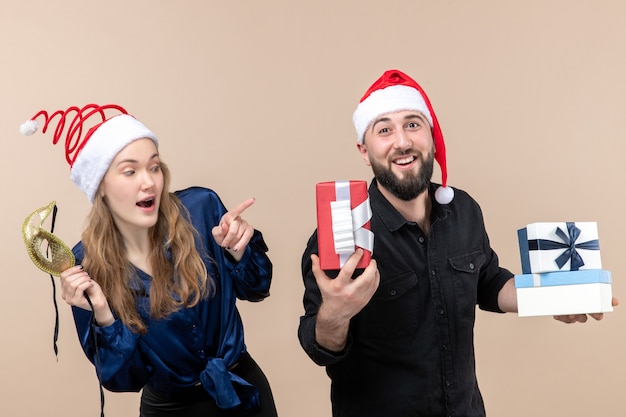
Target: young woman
[157,275]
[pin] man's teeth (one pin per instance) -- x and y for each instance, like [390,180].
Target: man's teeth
[406,160]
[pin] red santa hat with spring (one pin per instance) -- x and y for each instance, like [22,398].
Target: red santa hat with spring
[395,91]
[90,154]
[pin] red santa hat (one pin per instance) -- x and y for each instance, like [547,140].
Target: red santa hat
[395,91]
[90,154]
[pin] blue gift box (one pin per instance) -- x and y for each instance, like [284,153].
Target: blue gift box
[559,246]
[561,293]
[549,279]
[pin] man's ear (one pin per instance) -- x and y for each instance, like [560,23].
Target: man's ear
[364,154]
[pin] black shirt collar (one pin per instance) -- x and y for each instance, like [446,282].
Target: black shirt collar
[391,218]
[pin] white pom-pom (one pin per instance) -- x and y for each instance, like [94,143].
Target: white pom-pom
[29,127]
[444,195]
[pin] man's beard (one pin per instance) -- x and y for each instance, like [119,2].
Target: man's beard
[410,186]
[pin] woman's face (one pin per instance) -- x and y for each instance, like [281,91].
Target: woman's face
[133,184]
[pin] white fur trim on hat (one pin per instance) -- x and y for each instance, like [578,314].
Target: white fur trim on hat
[387,100]
[103,145]
[29,127]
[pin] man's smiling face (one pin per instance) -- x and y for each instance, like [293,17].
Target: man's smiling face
[399,147]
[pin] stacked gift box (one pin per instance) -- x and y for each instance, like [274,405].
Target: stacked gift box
[561,270]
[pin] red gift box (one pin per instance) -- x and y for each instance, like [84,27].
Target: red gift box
[343,223]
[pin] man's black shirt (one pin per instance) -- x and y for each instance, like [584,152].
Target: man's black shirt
[410,351]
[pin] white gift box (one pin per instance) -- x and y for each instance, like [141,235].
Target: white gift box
[561,293]
[559,246]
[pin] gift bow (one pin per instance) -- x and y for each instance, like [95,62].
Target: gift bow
[569,244]
[349,224]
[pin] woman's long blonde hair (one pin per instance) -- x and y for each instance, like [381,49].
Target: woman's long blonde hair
[180,278]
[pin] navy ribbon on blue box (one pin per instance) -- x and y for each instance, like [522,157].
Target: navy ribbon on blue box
[569,244]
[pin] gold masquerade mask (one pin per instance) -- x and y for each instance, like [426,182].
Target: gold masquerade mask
[60,255]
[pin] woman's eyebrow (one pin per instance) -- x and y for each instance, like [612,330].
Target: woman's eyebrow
[134,161]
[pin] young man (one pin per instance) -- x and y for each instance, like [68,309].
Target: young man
[397,336]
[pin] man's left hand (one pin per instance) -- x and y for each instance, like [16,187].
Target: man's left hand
[581,318]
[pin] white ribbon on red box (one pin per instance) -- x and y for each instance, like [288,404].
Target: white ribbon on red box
[348,225]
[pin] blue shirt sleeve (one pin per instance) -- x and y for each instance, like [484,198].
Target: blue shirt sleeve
[118,359]
[251,276]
